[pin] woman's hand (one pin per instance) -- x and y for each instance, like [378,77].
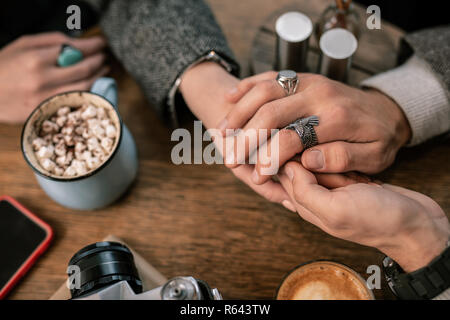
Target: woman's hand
[204,88]
[359,130]
[29,73]
[408,226]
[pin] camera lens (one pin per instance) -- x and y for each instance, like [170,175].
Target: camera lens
[100,265]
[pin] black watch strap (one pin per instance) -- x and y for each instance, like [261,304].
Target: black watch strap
[425,283]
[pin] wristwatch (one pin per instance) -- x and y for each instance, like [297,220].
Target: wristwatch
[425,283]
[212,56]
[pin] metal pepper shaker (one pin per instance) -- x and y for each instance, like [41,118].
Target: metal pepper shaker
[293,32]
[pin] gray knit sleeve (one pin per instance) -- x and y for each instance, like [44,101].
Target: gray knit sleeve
[417,90]
[421,85]
[156,40]
[433,46]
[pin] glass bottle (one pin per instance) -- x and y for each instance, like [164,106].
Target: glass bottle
[334,17]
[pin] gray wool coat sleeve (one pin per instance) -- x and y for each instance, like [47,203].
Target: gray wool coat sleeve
[433,46]
[156,40]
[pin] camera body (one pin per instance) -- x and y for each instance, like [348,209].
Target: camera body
[106,271]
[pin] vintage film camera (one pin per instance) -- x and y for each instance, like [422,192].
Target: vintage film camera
[106,271]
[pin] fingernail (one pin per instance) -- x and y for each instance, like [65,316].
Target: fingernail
[223,125]
[374,184]
[289,173]
[255,176]
[288,205]
[314,159]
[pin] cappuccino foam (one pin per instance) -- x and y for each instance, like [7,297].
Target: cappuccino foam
[323,280]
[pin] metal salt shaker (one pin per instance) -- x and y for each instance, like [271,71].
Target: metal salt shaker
[337,48]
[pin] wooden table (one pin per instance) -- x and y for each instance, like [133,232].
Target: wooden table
[200,220]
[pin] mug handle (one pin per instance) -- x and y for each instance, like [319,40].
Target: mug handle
[107,88]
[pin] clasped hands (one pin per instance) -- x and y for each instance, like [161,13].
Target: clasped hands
[360,131]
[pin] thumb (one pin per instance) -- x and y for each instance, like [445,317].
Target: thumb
[305,189]
[340,156]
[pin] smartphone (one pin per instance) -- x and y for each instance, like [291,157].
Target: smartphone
[23,238]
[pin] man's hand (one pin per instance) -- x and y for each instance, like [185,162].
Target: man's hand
[406,225]
[359,130]
[204,88]
[29,74]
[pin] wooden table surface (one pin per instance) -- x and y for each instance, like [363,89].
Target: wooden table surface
[197,219]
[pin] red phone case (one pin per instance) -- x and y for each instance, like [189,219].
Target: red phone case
[35,254]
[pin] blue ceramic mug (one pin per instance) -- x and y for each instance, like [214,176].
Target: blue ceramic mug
[103,185]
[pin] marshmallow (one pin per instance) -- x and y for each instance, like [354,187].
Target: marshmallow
[46,152]
[70,172]
[63,111]
[60,148]
[60,121]
[107,144]
[80,147]
[111,131]
[89,113]
[92,143]
[47,164]
[38,143]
